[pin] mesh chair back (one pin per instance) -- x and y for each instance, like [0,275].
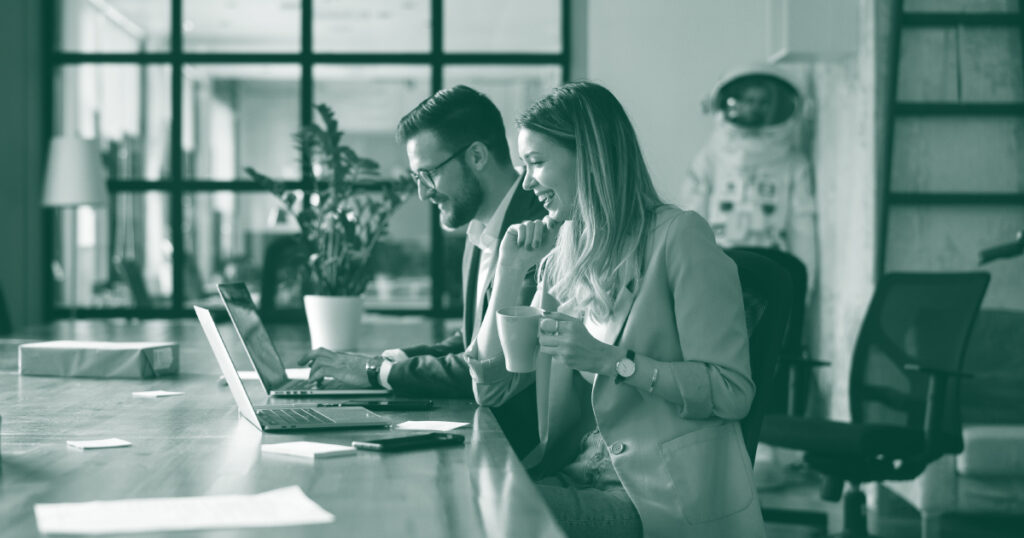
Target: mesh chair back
[767,299]
[919,318]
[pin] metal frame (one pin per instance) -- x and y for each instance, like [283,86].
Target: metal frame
[888,199]
[177,186]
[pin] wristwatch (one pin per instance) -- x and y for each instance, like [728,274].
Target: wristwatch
[373,372]
[626,367]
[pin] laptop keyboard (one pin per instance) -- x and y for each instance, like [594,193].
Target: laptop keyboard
[292,417]
[305,384]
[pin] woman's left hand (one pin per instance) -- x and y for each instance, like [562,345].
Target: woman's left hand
[567,339]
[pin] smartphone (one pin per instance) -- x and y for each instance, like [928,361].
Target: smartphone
[391,405]
[411,442]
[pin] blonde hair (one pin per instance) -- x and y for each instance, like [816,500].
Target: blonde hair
[600,249]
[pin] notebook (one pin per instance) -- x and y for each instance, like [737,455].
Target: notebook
[270,418]
[264,357]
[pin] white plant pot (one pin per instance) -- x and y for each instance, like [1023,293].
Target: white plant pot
[334,321]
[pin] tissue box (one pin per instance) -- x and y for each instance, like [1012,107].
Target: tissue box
[68,358]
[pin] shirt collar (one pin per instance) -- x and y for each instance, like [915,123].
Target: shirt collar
[485,235]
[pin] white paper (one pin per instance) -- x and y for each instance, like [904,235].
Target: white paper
[80,344]
[154,393]
[432,425]
[309,449]
[291,373]
[275,508]
[112,442]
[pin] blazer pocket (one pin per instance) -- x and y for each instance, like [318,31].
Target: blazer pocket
[710,471]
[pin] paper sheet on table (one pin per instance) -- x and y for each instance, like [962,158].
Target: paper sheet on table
[275,508]
[154,393]
[292,373]
[112,442]
[432,425]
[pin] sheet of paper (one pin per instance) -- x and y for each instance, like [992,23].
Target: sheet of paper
[275,508]
[432,425]
[154,393]
[112,442]
[292,373]
[309,449]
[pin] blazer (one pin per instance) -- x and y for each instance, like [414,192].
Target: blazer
[684,465]
[440,370]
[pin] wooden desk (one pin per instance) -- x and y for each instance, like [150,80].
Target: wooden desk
[196,444]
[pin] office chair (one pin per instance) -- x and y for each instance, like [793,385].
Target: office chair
[904,389]
[131,273]
[5,317]
[284,260]
[767,301]
[790,388]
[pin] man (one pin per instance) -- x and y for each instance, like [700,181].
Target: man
[455,141]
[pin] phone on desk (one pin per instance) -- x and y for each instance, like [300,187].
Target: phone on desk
[411,442]
[388,405]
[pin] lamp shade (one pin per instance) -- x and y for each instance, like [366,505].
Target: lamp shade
[74,173]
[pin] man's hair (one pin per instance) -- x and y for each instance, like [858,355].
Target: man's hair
[460,116]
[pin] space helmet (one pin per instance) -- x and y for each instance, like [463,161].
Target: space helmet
[755,97]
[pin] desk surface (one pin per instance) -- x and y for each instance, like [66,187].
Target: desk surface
[196,444]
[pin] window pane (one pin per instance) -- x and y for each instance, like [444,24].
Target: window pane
[228,236]
[922,160]
[371,26]
[949,239]
[127,107]
[120,253]
[512,88]
[234,236]
[241,26]
[237,116]
[368,102]
[501,26]
[114,25]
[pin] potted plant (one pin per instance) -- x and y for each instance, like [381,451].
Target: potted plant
[342,214]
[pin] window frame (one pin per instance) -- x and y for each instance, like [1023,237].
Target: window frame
[178,187]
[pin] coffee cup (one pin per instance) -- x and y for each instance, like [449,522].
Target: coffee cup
[517,330]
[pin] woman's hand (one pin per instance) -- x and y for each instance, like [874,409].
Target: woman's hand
[526,243]
[567,339]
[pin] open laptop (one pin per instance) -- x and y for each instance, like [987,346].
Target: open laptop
[269,367]
[276,418]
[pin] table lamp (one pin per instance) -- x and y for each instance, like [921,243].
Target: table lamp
[74,177]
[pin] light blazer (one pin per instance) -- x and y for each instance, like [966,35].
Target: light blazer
[684,465]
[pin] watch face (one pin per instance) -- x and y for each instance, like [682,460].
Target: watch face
[625,367]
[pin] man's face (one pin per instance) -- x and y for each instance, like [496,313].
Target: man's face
[753,106]
[456,190]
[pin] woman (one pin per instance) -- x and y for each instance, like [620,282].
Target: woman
[643,371]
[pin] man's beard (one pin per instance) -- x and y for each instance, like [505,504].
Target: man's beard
[464,203]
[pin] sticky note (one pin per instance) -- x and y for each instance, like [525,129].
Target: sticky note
[113,442]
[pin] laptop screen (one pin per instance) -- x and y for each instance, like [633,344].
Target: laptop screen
[227,368]
[254,335]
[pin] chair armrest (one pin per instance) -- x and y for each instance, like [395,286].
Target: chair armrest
[803,363]
[912,367]
[938,384]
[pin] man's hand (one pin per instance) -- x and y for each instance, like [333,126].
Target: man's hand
[349,368]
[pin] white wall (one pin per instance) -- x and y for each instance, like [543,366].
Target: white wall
[661,58]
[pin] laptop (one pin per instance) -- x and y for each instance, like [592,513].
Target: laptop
[269,367]
[271,418]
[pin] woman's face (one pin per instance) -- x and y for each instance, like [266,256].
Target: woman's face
[550,172]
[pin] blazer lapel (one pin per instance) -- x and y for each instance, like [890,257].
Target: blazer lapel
[620,312]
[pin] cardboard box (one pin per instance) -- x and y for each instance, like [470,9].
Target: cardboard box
[132,360]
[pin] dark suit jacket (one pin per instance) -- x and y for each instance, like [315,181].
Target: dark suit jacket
[440,370]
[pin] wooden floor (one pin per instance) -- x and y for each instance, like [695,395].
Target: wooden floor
[893,518]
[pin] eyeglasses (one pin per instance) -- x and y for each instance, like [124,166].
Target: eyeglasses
[427,177]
